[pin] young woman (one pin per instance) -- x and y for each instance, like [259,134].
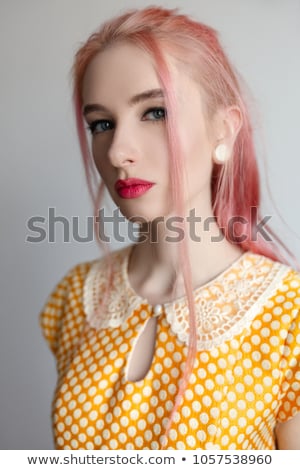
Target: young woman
[189,338]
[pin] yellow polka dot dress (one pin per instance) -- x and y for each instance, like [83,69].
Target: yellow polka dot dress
[246,374]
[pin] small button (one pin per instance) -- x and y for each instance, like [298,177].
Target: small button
[157,310]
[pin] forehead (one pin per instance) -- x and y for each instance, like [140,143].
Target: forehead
[123,70]
[122,67]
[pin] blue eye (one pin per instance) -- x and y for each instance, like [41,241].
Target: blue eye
[99,126]
[155,114]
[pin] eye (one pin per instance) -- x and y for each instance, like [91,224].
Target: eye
[154,114]
[100,126]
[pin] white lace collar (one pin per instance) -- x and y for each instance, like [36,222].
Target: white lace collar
[224,306]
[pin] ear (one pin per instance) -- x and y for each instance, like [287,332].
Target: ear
[227,125]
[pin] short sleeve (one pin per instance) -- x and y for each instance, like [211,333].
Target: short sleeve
[62,314]
[290,366]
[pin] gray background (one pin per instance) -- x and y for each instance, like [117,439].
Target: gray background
[41,167]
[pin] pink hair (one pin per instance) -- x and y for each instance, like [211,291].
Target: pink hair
[235,185]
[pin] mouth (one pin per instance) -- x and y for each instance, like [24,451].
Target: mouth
[132,188]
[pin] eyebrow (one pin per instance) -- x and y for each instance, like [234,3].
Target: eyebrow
[145,95]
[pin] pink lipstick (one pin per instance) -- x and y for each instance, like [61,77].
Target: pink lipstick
[132,187]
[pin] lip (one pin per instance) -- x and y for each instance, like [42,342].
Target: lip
[132,187]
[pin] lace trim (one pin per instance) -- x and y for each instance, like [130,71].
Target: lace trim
[121,301]
[224,307]
[227,307]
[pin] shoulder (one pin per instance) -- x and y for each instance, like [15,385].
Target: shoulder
[283,294]
[75,278]
[280,277]
[65,308]
[272,293]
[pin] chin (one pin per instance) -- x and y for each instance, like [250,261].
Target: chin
[144,216]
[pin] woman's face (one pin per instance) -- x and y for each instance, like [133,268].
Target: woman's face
[125,110]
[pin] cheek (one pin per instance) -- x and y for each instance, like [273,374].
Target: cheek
[99,152]
[197,149]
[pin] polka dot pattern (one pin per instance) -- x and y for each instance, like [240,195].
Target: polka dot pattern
[236,392]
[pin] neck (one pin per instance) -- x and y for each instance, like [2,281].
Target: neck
[155,267]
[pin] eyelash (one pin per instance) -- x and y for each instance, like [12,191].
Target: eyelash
[93,125]
[153,110]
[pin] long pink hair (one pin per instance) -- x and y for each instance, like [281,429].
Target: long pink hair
[234,186]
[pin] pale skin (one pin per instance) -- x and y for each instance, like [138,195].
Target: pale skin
[129,141]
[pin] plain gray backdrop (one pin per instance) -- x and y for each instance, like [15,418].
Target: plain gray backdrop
[41,166]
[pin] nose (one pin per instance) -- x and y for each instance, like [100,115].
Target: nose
[122,151]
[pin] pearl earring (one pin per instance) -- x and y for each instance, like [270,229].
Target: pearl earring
[221,154]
